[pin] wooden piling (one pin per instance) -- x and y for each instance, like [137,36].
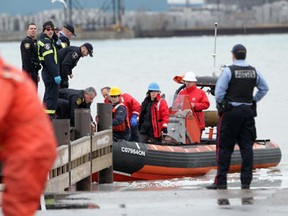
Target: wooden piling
[62,131]
[83,128]
[104,113]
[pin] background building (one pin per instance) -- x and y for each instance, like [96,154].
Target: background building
[142,15]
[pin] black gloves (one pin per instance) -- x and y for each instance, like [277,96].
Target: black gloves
[164,130]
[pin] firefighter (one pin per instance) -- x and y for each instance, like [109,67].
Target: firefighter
[120,121]
[48,57]
[30,62]
[68,59]
[27,143]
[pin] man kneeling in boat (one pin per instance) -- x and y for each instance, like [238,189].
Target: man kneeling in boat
[120,121]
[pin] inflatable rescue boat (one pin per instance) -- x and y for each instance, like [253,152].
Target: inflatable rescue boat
[184,151]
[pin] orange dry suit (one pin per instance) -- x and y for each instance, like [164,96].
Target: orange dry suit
[27,143]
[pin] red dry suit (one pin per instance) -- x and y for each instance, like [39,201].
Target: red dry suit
[132,105]
[159,115]
[27,143]
[200,99]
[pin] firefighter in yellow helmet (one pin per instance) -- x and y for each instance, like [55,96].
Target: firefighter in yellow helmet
[120,121]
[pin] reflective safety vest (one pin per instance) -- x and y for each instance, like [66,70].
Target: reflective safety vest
[125,124]
[41,56]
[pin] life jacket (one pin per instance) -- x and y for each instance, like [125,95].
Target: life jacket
[125,124]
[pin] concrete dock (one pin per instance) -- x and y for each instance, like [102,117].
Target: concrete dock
[184,201]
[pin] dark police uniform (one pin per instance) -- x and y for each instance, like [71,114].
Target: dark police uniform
[68,58]
[235,104]
[48,57]
[62,42]
[237,124]
[30,62]
[69,100]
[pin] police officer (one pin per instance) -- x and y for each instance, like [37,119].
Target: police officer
[50,73]
[237,109]
[69,57]
[30,62]
[70,99]
[65,35]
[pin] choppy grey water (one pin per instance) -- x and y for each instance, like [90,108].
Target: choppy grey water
[132,64]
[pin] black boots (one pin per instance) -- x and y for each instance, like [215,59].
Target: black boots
[245,186]
[215,187]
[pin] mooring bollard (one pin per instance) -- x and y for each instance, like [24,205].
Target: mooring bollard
[104,113]
[62,131]
[82,123]
[83,128]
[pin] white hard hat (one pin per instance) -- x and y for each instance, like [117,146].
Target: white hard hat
[190,76]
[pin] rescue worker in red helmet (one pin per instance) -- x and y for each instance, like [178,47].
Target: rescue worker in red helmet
[120,121]
[154,116]
[27,143]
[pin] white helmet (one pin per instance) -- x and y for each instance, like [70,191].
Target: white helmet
[190,76]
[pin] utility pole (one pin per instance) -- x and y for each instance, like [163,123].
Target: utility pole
[119,12]
[114,11]
[70,12]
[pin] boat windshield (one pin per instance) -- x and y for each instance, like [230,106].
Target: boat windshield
[181,102]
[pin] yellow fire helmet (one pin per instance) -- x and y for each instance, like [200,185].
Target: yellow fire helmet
[114,91]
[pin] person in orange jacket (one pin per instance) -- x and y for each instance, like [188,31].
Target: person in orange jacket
[197,97]
[154,116]
[133,108]
[27,143]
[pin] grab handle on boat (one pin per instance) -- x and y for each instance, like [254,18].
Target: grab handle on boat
[262,141]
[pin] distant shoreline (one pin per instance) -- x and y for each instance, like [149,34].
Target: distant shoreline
[220,31]
[129,34]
